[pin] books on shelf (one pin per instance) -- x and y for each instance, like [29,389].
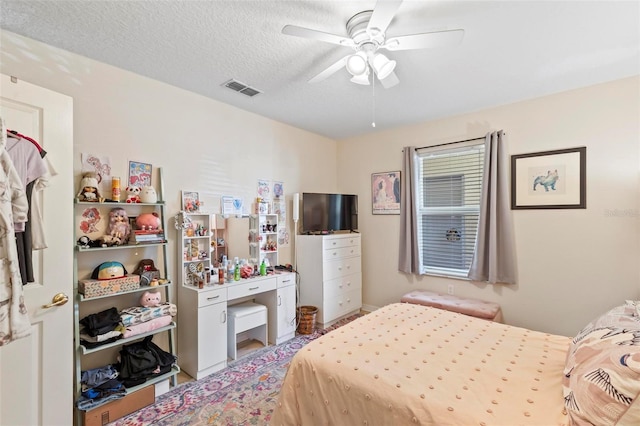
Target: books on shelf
[148,236]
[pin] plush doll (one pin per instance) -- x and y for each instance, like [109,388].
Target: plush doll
[133,194]
[119,225]
[148,195]
[148,221]
[150,299]
[89,188]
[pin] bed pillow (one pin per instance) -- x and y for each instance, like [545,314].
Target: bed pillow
[601,383]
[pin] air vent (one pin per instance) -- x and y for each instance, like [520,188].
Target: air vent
[241,88]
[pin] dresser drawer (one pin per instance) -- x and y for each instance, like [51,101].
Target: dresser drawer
[210,297]
[236,291]
[341,268]
[337,306]
[339,242]
[342,285]
[339,253]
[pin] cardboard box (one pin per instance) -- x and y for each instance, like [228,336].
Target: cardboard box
[95,288]
[113,410]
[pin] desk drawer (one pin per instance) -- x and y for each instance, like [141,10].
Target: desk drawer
[341,268]
[286,280]
[210,297]
[237,291]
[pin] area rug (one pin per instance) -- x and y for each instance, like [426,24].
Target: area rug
[244,393]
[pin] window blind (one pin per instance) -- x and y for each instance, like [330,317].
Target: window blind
[450,185]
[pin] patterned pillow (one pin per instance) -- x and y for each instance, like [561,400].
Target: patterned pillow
[602,372]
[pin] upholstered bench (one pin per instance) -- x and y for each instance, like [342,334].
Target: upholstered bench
[472,307]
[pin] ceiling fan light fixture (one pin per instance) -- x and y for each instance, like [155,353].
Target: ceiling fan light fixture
[361,79]
[357,64]
[383,66]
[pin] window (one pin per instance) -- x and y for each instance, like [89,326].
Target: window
[450,183]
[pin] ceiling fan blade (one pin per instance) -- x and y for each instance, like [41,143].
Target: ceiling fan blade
[317,35]
[424,41]
[390,81]
[382,14]
[332,69]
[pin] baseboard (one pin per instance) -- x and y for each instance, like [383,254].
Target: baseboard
[369,308]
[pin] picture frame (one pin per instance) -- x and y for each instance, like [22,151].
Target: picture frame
[385,192]
[139,174]
[549,179]
[190,201]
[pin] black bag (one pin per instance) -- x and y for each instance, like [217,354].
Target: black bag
[143,359]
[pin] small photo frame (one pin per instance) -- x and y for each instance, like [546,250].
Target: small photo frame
[549,179]
[139,174]
[190,201]
[385,192]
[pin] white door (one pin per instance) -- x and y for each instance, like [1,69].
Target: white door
[36,373]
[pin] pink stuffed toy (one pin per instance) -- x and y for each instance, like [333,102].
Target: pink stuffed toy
[150,299]
[148,221]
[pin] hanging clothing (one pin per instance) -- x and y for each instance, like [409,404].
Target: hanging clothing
[38,240]
[14,319]
[26,155]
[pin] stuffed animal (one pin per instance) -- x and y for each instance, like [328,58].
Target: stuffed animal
[133,194]
[150,299]
[89,188]
[148,221]
[119,227]
[148,195]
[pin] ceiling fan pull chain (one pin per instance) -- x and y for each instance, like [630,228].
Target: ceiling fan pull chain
[373,101]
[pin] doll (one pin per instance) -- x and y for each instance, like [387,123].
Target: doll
[89,188]
[119,225]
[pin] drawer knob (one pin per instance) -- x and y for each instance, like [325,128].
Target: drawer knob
[213,298]
[253,288]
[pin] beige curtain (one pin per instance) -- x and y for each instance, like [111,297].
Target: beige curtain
[409,257]
[494,259]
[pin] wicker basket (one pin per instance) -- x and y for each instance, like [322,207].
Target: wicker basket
[306,319]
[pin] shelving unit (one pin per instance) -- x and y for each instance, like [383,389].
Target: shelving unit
[194,245]
[263,234]
[129,254]
[202,322]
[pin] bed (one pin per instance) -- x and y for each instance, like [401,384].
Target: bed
[409,364]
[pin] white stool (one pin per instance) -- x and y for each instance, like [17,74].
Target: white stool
[250,317]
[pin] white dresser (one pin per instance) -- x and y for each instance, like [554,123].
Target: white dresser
[330,269]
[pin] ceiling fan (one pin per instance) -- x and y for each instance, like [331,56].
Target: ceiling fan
[366,35]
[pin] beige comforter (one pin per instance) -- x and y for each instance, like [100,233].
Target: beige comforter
[407,364]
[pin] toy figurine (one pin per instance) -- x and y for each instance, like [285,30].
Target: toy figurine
[119,225]
[133,194]
[89,188]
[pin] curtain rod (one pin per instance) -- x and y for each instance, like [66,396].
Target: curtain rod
[451,143]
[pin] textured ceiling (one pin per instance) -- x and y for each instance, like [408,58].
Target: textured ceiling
[512,50]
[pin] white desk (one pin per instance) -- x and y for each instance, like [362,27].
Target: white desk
[202,318]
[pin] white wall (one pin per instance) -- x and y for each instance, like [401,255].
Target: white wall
[572,264]
[202,145]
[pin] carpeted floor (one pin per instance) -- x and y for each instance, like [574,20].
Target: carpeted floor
[244,393]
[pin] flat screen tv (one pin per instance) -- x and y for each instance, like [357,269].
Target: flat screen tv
[323,213]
